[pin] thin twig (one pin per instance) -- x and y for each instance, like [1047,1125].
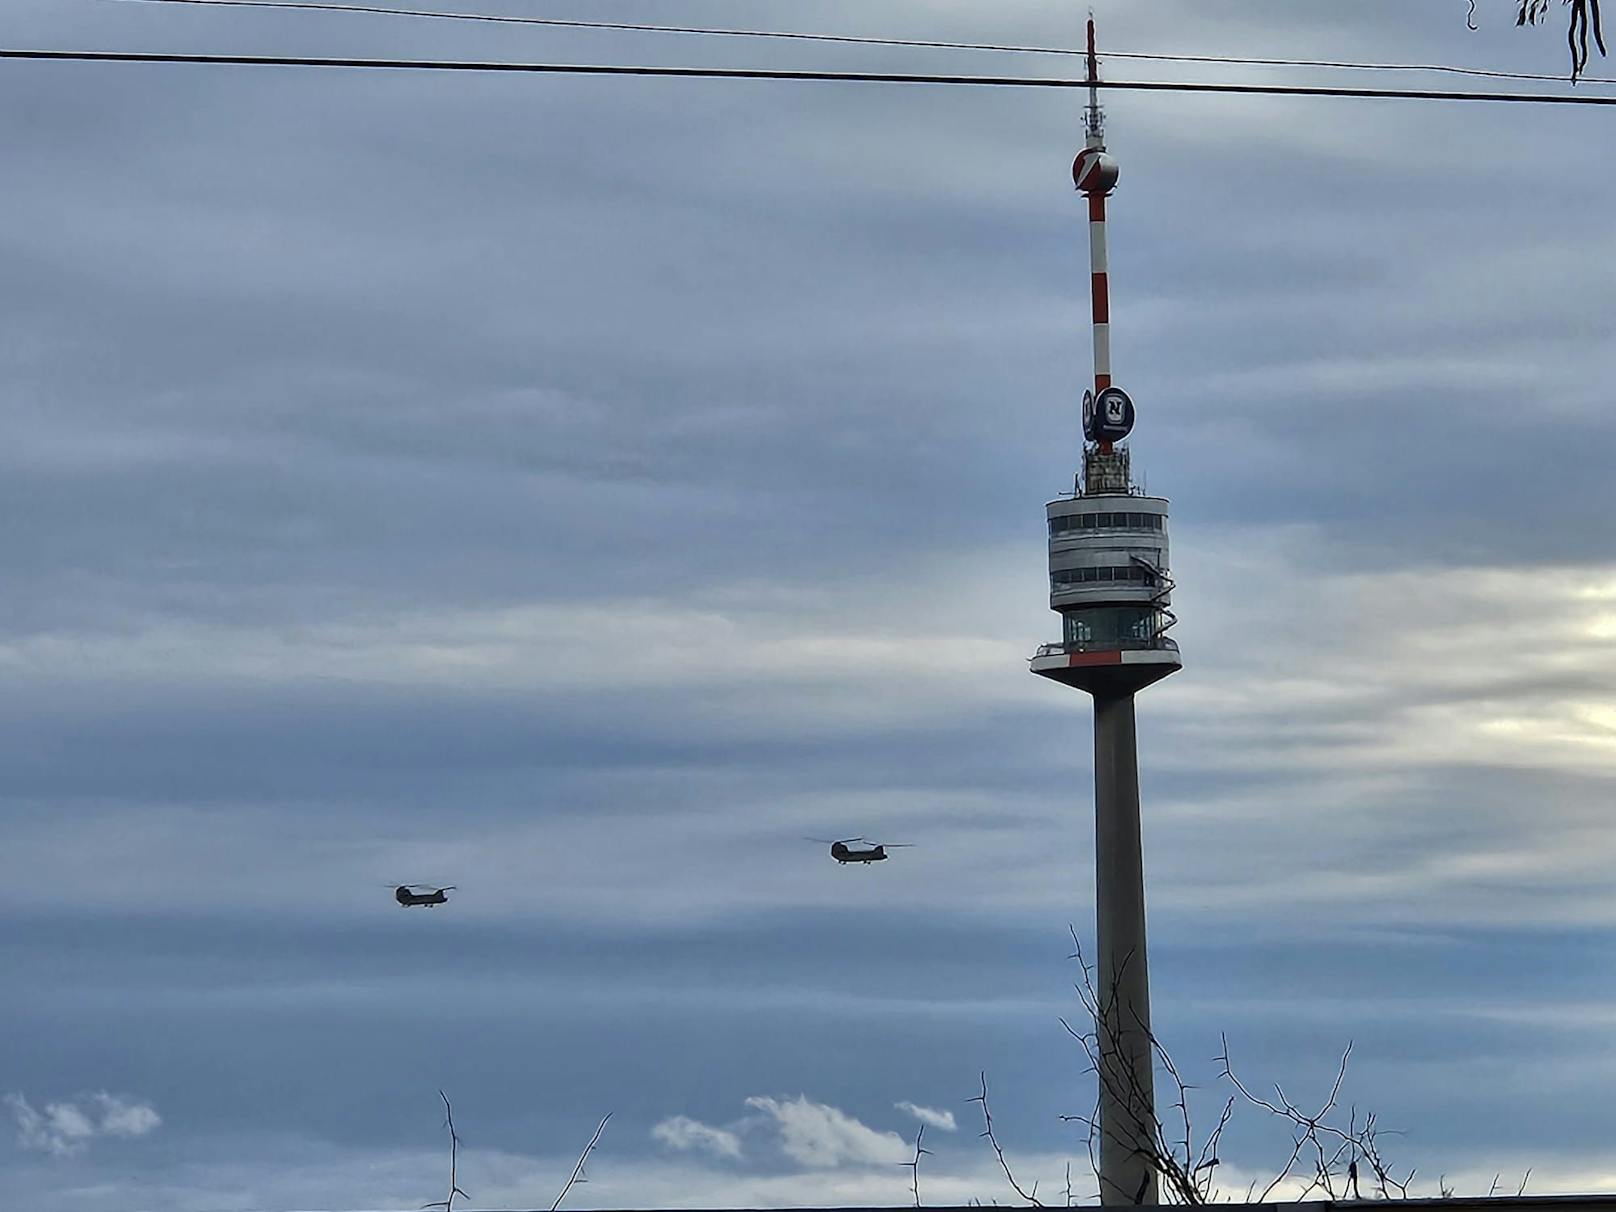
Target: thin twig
[454,1160]
[914,1166]
[987,1119]
[578,1170]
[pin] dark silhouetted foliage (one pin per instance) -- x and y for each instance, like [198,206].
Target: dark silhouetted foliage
[1585,19]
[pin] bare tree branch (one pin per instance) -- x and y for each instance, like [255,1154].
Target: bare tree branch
[1340,1160]
[454,1160]
[578,1170]
[1585,19]
[987,1119]
[914,1166]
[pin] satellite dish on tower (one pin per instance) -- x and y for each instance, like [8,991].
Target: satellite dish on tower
[1109,416]
[1095,171]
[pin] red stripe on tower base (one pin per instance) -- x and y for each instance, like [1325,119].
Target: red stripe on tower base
[1093,658]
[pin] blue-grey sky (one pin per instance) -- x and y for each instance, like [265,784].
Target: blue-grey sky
[580,490]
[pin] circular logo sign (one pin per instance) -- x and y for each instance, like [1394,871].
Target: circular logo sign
[1088,415]
[1112,418]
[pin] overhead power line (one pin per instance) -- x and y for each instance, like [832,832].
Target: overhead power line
[726,73]
[568,23]
[1231,61]
[861,40]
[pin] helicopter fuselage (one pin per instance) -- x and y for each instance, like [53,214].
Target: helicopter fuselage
[407,898]
[846,854]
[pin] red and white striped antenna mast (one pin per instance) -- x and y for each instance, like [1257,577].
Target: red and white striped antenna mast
[1095,173]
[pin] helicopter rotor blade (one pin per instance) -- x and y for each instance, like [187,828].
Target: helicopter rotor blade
[828,841]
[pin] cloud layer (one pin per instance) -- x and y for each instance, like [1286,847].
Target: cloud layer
[63,1128]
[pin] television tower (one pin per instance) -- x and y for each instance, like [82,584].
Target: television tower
[1108,580]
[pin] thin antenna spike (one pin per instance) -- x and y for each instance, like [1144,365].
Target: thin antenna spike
[1094,119]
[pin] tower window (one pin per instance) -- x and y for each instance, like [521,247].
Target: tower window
[1067,577]
[1067,523]
[1112,627]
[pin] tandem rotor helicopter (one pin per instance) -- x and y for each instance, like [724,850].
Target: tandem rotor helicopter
[422,894]
[843,852]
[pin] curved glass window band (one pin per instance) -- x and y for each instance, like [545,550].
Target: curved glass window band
[1106,627]
[1106,521]
[1066,577]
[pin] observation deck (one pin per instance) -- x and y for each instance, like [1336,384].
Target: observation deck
[1109,581]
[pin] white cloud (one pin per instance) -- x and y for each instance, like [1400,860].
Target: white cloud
[683,1133]
[58,1129]
[65,1128]
[825,1137]
[930,1116]
[329,1177]
[120,1117]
